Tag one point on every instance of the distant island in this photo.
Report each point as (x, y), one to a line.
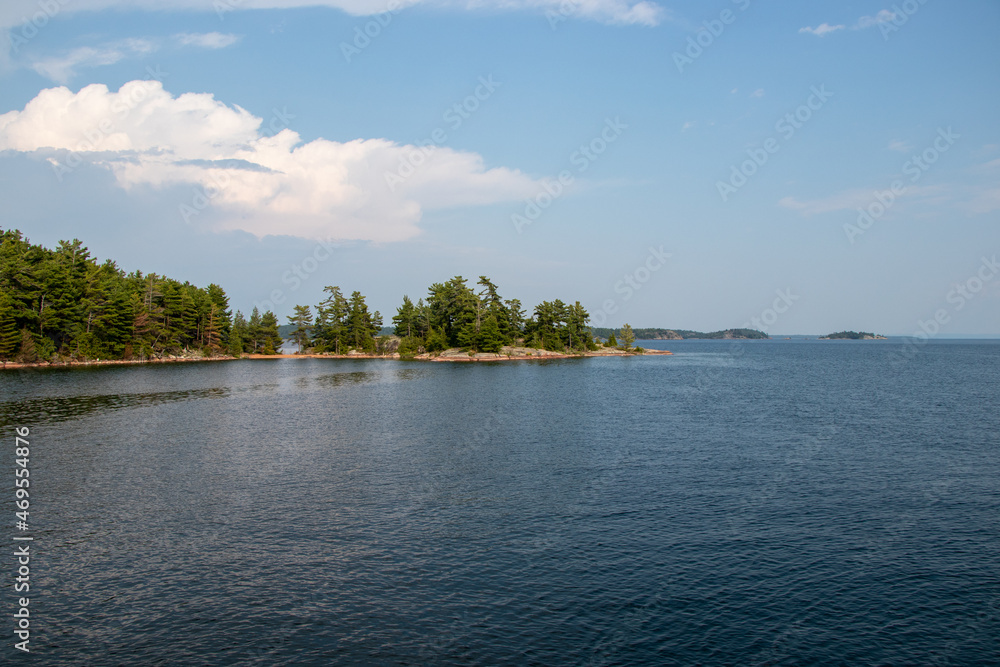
(853, 335)
(686, 334)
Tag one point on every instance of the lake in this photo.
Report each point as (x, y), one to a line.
(758, 502)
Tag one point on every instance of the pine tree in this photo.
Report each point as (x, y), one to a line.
(627, 337)
(28, 350)
(302, 319)
(271, 338)
(10, 337)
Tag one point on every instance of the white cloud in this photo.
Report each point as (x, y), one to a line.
(928, 197)
(848, 200)
(208, 40)
(884, 16)
(757, 93)
(821, 29)
(900, 146)
(63, 67)
(257, 183)
(623, 12)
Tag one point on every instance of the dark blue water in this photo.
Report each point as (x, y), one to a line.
(762, 503)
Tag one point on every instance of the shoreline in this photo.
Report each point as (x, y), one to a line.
(450, 355)
(16, 365)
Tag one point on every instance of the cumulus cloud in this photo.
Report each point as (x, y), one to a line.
(624, 12)
(821, 29)
(242, 178)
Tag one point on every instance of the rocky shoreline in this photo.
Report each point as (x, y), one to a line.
(452, 355)
(72, 363)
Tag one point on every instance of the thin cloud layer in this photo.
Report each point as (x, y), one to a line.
(63, 67)
(241, 178)
(623, 12)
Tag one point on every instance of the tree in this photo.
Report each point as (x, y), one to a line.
(255, 331)
(611, 340)
(405, 319)
(362, 326)
(271, 339)
(627, 337)
(10, 337)
(330, 330)
(491, 339)
(28, 351)
(302, 319)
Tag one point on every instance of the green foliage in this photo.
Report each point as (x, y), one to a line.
(851, 335)
(73, 306)
(628, 337)
(302, 320)
(436, 340)
(611, 340)
(269, 335)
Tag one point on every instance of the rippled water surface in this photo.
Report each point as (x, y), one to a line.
(762, 503)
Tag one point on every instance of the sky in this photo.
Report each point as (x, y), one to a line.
(797, 167)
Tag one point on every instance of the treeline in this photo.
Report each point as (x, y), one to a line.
(64, 303)
(851, 335)
(453, 314)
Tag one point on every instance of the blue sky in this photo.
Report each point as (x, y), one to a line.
(715, 157)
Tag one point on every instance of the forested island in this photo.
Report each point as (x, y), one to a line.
(853, 335)
(62, 306)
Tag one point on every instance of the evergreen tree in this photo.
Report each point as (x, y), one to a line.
(627, 337)
(255, 333)
(491, 339)
(405, 319)
(611, 340)
(302, 319)
(330, 330)
(10, 337)
(271, 340)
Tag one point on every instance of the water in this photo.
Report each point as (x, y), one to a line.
(761, 503)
